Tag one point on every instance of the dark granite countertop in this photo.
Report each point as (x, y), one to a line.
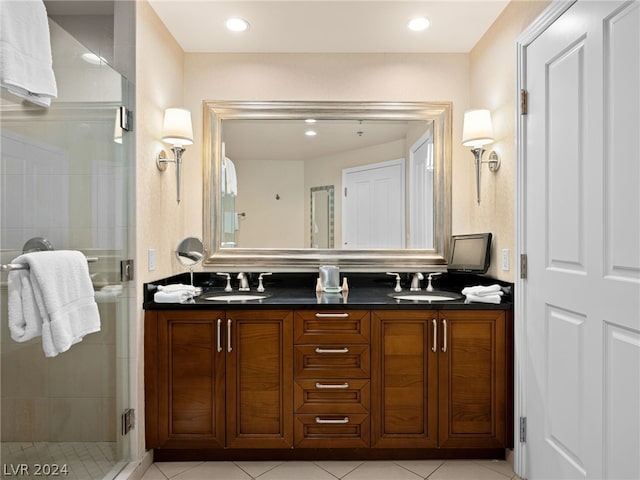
(366, 291)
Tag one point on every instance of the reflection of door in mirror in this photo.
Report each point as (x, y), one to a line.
(322, 229)
(373, 205)
(421, 206)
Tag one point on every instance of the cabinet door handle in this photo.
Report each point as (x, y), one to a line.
(332, 315)
(332, 350)
(332, 420)
(444, 336)
(219, 346)
(229, 349)
(331, 385)
(434, 347)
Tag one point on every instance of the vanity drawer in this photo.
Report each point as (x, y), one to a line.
(349, 326)
(332, 431)
(335, 396)
(331, 361)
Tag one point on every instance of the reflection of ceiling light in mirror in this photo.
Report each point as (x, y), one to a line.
(310, 120)
(237, 24)
(93, 59)
(418, 24)
(310, 133)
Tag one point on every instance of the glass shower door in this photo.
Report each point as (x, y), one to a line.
(63, 181)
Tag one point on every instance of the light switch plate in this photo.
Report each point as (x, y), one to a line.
(151, 259)
(505, 259)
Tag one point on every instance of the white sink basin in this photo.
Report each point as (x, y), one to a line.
(236, 298)
(428, 297)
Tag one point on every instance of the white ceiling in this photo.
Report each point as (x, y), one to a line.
(328, 26)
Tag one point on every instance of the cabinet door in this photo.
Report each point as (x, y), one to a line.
(404, 379)
(472, 376)
(190, 380)
(259, 379)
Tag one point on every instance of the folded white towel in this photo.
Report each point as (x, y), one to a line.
(55, 293)
(177, 296)
(483, 298)
(483, 290)
(25, 52)
(177, 287)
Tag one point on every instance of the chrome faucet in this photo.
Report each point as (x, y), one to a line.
(244, 282)
(415, 282)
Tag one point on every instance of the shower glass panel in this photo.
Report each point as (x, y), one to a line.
(63, 177)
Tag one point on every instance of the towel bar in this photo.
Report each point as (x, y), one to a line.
(23, 266)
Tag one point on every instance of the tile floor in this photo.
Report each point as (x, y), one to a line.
(332, 470)
(75, 461)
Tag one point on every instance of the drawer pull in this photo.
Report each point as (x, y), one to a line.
(332, 385)
(325, 420)
(332, 350)
(332, 315)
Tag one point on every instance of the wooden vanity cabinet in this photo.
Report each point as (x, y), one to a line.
(442, 379)
(216, 379)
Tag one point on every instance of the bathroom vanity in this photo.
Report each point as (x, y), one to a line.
(296, 375)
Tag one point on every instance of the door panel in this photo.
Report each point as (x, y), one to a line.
(582, 232)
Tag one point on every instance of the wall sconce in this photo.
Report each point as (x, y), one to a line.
(176, 131)
(477, 131)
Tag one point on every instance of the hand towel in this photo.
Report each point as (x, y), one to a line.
(58, 295)
(482, 290)
(177, 287)
(25, 52)
(177, 296)
(230, 183)
(483, 298)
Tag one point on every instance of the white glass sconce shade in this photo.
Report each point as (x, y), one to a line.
(177, 128)
(477, 129)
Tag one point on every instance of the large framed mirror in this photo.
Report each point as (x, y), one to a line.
(389, 165)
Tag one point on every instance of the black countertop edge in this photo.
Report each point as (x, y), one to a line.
(366, 291)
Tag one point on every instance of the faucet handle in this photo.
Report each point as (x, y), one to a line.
(429, 278)
(260, 286)
(228, 287)
(398, 287)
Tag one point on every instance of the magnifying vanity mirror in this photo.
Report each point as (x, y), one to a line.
(190, 252)
(294, 185)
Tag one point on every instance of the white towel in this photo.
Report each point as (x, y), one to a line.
(483, 298)
(482, 291)
(230, 183)
(176, 296)
(53, 298)
(25, 52)
(177, 287)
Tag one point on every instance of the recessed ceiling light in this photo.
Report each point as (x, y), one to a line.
(310, 120)
(418, 24)
(93, 59)
(237, 24)
(310, 133)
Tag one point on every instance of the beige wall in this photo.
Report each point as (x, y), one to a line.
(493, 86)
(160, 221)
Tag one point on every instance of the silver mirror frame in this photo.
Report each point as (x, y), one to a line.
(307, 259)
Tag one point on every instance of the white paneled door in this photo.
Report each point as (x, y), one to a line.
(373, 205)
(582, 238)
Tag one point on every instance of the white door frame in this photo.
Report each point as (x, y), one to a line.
(550, 15)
